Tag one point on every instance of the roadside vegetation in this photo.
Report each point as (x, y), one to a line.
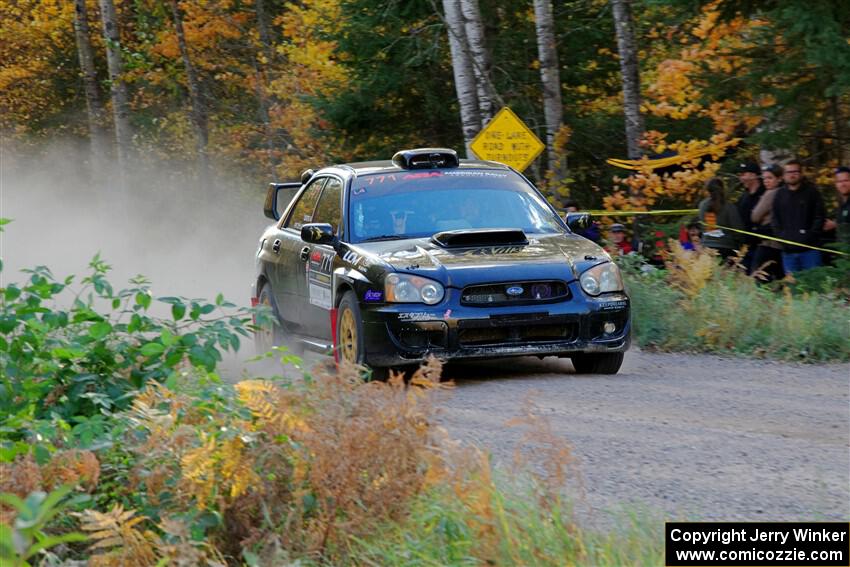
(120, 444)
(694, 304)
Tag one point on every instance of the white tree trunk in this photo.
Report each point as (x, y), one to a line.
(467, 93)
(94, 104)
(118, 88)
(630, 70)
(474, 28)
(550, 76)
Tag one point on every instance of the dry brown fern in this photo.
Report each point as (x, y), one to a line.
(118, 541)
(73, 467)
(19, 477)
(690, 270)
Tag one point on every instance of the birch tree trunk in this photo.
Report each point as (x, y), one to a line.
(199, 113)
(464, 75)
(118, 88)
(627, 48)
(480, 58)
(94, 104)
(550, 75)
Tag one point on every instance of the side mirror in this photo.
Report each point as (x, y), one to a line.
(278, 196)
(318, 233)
(577, 221)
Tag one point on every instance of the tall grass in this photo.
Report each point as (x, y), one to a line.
(442, 530)
(727, 312)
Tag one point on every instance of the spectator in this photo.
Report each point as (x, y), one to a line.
(716, 212)
(749, 176)
(592, 231)
(841, 221)
(798, 216)
(767, 262)
(617, 236)
(692, 239)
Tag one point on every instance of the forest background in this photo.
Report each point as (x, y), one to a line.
(265, 88)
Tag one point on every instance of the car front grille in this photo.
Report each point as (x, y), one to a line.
(530, 328)
(515, 293)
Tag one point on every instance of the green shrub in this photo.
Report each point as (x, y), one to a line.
(730, 313)
(71, 356)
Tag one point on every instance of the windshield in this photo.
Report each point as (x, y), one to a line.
(421, 203)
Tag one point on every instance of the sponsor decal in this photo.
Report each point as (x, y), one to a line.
(423, 175)
(613, 305)
(475, 173)
(493, 251)
(514, 290)
(319, 279)
(351, 257)
(414, 316)
(373, 295)
(447, 314)
(320, 296)
(378, 179)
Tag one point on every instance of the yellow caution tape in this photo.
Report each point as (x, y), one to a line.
(782, 240)
(692, 211)
(638, 164)
(639, 213)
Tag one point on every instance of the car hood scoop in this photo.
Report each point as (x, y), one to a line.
(480, 237)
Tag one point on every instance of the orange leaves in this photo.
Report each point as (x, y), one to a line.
(711, 45)
(647, 187)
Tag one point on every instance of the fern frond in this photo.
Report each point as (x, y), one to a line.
(117, 538)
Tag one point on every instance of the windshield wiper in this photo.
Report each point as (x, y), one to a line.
(385, 237)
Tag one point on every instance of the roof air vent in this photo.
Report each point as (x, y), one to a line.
(426, 158)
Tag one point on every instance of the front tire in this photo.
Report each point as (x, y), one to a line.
(349, 335)
(595, 363)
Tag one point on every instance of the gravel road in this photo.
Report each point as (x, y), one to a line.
(686, 436)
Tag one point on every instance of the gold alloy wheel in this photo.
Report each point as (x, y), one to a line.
(348, 336)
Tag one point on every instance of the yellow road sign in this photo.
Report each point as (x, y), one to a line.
(508, 140)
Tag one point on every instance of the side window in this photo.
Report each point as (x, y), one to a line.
(329, 209)
(303, 211)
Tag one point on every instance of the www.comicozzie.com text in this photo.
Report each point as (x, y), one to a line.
(743, 534)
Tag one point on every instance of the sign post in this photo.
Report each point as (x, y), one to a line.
(508, 140)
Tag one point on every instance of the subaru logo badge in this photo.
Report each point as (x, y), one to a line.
(514, 290)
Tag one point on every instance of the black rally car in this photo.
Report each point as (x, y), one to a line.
(386, 262)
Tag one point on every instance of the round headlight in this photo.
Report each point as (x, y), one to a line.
(408, 288)
(405, 291)
(431, 293)
(602, 278)
(590, 284)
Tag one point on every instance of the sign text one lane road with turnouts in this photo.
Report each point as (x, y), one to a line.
(508, 140)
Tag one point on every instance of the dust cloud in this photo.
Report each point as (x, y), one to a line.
(188, 240)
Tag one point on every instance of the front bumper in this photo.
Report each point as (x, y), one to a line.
(398, 334)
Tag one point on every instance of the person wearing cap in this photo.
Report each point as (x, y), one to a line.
(767, 263)
(749, 175)
(798, 216)
(617, 236)
(840, 223)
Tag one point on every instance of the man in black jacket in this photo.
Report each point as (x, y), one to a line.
(749, 174)
(798, 216)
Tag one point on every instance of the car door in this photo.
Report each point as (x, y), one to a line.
(318, 267)
(286, 275)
